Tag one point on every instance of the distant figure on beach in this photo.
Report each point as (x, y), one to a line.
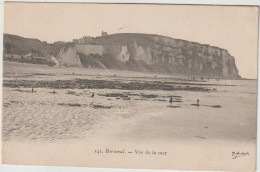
(201, 78)
(54, 92)
(93, 94)
(32, 90)
(170, 100)
(198, 102)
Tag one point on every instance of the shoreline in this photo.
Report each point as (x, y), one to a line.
(151, 74)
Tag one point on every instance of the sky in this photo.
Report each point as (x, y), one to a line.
(234, 28)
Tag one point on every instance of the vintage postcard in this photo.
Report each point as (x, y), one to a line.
(140, 86)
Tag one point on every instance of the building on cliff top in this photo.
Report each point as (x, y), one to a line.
(87, 39)
(84, 40)
(104, 34)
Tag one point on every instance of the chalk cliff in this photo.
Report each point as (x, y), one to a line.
(143, 52)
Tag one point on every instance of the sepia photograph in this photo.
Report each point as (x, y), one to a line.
(130, 86)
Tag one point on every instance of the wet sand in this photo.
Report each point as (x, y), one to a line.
(128, 110)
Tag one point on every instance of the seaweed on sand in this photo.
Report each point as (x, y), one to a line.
(100, 106)
(149, 96)
(216, 106)
(114, 95)
(72, 93)
(99, 84)
(69, 104)
(173, 106)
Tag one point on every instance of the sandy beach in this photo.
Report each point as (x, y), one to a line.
(129, 110)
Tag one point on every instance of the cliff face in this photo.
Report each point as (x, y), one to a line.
(70, 55)
(143, 52)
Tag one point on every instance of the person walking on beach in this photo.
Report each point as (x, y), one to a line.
(93, 95)
(170, 100)
(198, 102)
